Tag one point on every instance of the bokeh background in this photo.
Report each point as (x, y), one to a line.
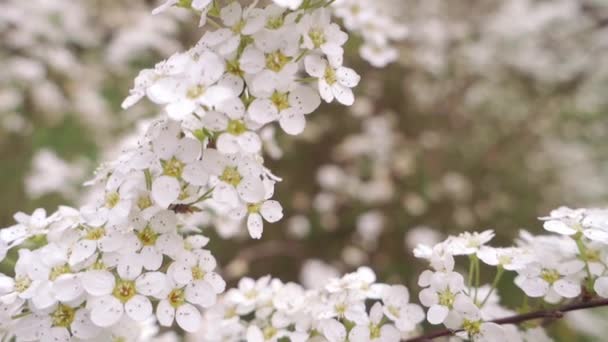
(493, 114)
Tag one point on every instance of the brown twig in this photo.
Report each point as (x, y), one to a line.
(516, 319)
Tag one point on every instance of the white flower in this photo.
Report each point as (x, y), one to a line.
(288, 108)
(375, 330)
(318, 32)
(397, 308)
(469, 243)
(27, 226)
(551, 278)
(190, 83)
(510, 258)
(129, 293)
(195, 269)
(442, 291)
(238, 176)
(175, 307)
(269, 210)
(593, 223)
(335, 81)
(237, 133)
(333, 330)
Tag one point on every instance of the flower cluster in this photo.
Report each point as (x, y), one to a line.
(352, 308)
(132, 255)
(377, 24)
(553, 267)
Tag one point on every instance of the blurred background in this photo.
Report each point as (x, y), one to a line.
(492, 115)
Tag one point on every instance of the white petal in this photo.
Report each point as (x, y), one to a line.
(304, 99)
(82, 327)
(82, 250)
(250, 142)
(107, 311)
(255, 225)
(188, 150)
(437, 314)
(188, 317)
(558, 227)
(252, 61)
(67, 287)
(231, 14)
(152, 258)
(97, 282)
(254, 334)
(165, 190)
(272, 211)
(130, 266)
(165, 313)
(251, 189)
(227, 143)
(315, 65)
(596, 235)
(347, 77)
(263, 111)
(195, 173)
(164, 221)
(292, 122)
(601, 286)
(138, 308)
(151, 283)
(567, 288)
(343, 94)
(201, 293)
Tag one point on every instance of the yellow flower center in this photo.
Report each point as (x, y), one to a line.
(95, 233)
(231, 176)
(112, 199)
(280, 100)
(275, 61)
(238, 27)
(124, 290)
(329, 75)
(195, 91)
(374, 331)
(275, 22)
(236, 127)
(550, 276)
(234, 68)
(176, 298)
(317, 37)
(147, 236)
(446, 298)
(253, 208)
(22, 283)
(63, 316)
(269, 332)
(98, 265)
(59, 270)
(471, 327)
(504, 259)
(173, 167)
(197, 273)
(144, 202)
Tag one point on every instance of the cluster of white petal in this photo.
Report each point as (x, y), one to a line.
(352, 308)
(554, 267)
(377, 24)
(130, 257)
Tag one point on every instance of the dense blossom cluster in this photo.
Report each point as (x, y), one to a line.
(134, 258)
(268, 310)
(555, 268)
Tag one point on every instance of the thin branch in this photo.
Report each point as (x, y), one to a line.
(550, 313)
